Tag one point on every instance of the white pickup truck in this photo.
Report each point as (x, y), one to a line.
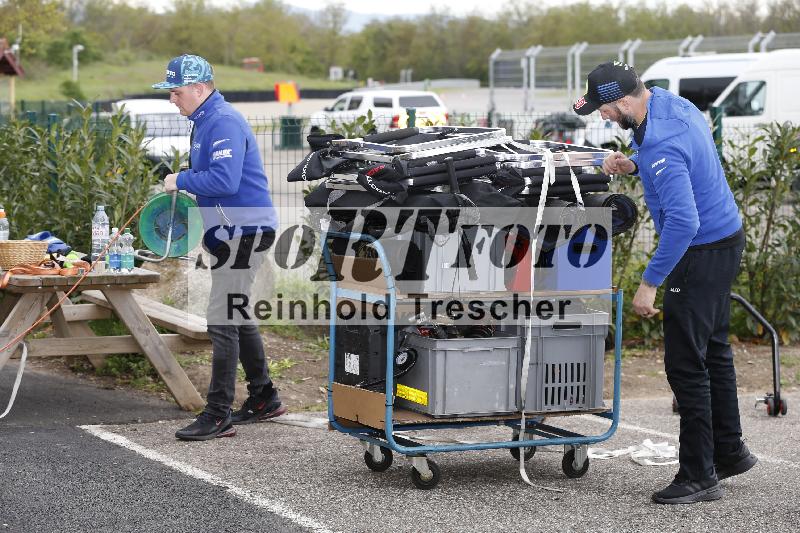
(388, 109)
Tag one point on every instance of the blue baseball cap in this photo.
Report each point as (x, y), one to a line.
(185, 70)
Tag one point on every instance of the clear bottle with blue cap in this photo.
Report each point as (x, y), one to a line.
(114, 255)
(99, 234)
(126, 251)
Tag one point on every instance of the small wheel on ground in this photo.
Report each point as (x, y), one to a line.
(569, 468)
(431, 481)
(530, 451)
(771, 410)
(784, 407)
(381, 466)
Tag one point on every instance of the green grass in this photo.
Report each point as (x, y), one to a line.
(321, 343)
(277, 367)
(105, 80)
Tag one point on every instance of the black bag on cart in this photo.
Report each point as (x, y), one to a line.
(320, 141)
(318, 165)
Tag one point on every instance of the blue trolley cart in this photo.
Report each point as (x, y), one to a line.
(375, 421)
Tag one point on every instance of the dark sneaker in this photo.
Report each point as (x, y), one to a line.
(206, 427)
(686, 491)
(257, 409)
(735, 464)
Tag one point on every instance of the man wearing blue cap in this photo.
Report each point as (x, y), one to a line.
(227, 176)
(699, 250)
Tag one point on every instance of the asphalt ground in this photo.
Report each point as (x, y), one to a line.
(56, 477)
(77, 458)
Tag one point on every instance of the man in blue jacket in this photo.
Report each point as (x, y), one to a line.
(700, 246)
(227, 176)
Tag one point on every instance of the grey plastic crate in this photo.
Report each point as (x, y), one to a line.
(566, 364)
(461, 376)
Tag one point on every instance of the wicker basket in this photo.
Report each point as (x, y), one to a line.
(14, 253)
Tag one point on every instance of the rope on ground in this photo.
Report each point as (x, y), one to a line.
(648, 453)
(18, 380)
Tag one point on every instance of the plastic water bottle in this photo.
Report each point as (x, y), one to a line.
(99, 232)
(126, 251)
(4, 226)
(114, 256)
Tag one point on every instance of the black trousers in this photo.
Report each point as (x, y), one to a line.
(698, 358)
(235, 337)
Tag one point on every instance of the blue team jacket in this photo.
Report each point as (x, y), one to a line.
(227, 174)
(684, 185)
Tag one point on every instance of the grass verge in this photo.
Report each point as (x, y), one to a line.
(108, 80)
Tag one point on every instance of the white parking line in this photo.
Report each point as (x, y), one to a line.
(648, 431)
(272, 506)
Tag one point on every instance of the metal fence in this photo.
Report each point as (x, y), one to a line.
(282, 144)
(567, 66)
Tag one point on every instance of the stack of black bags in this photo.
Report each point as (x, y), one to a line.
(462, 178)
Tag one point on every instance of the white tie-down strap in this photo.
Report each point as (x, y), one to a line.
(547, 180)
(648, 453)
(299, 420)
(17, 381)
(576, 188)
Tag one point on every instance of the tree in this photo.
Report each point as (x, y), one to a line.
(38, 21)
(59, 51)
(119, 26)
(331, 23)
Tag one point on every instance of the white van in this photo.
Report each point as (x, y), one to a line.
(165, 128)
(699, 79)
(766, 92)
(388, 109)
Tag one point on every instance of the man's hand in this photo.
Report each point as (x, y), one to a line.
(171, 182)
(643, 301)
(617, 163)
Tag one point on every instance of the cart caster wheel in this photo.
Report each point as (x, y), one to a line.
(771, 411)
(569, 468)
(528, 455)
(381, 466)
(674, 405)
(433, 479)
(784, 408)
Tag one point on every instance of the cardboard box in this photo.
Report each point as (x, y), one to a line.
(359, 405)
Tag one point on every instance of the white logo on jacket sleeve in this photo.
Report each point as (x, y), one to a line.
(659, 171)
(222, 154)
(662, 160)
(215, 143)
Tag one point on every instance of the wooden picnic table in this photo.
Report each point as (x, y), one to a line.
(26, 298)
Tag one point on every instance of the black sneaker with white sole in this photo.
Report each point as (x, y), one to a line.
(688, 491)
(736, 463)
(207, 426)
(258, 409)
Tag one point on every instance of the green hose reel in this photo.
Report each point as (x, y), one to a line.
(156, 218)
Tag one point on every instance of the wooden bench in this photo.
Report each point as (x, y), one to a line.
(187, 324)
